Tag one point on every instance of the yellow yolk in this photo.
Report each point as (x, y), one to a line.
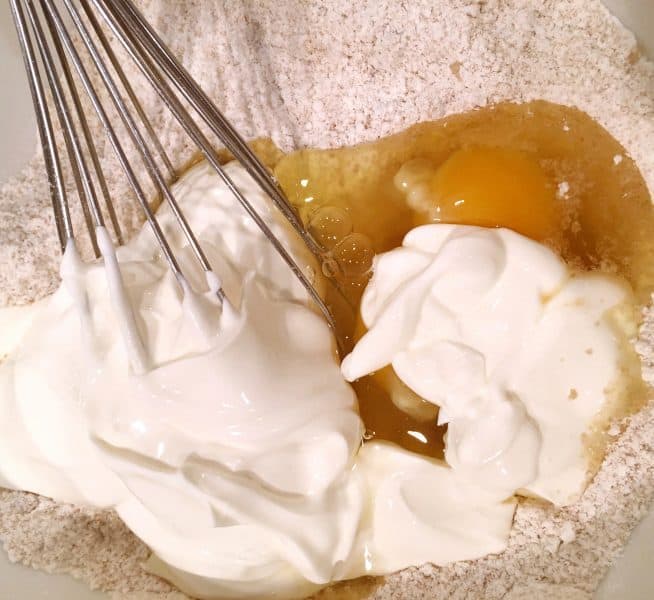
(491, 187)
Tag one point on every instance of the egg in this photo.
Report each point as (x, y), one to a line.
(490, 187)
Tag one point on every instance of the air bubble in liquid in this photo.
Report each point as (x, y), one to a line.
(329, 225)
(330, 268)
(354, 255)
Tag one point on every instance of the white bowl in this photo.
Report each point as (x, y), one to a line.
(632, 577)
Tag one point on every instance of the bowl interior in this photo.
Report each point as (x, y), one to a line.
(631, 579)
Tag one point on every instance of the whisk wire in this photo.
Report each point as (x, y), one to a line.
(212, 117)
(85, 189)
(168, 78)
(62, 31)
(135, 134)
(63, 221)
(123, 32)
(154, 139)
(86, 132)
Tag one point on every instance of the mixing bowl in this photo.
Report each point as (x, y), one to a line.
(632, 577)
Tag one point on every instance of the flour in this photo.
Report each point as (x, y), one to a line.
(308, 73)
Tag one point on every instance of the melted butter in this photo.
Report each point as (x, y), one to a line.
(548, 171)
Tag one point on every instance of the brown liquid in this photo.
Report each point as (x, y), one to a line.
(605, 221)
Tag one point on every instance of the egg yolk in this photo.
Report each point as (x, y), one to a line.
(490, 187)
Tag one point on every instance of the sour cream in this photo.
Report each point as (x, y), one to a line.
(224, 436)
(516, 351)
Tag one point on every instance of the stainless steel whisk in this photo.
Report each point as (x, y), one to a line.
(57, 51)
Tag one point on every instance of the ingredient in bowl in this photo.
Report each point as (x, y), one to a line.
(516, 351)
(196, 453)
(549, 161)
(235, 456)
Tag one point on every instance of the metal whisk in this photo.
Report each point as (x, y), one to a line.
(56, 40)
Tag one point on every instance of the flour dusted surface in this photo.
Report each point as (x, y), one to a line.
(309, 73)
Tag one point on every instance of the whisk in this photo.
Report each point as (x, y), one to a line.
(56, 34)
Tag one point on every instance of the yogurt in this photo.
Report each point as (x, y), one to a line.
(223, 435)
(516, 351)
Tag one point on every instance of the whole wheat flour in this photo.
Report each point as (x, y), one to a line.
(310, 73)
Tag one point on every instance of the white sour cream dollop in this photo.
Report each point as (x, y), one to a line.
(234, 457)
(516, 351)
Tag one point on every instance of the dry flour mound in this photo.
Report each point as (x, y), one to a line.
(309, 73)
